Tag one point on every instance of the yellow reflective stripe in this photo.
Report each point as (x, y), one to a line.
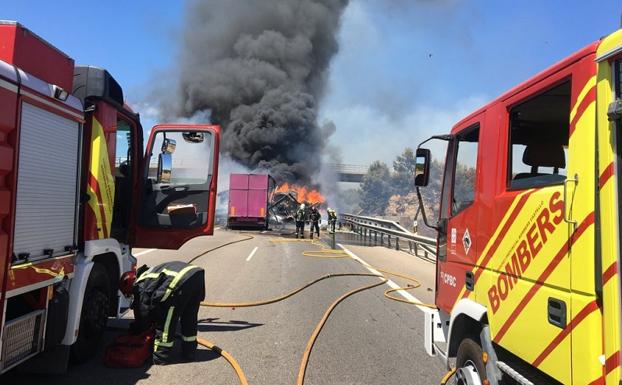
(179, 276)
(161, 343)
(156, 275)
(145, 276)
(189, 339)
(167, 323)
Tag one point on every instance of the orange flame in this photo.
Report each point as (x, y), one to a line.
(303, 194)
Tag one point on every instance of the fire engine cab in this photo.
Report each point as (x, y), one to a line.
(528, 272)
(77, 192)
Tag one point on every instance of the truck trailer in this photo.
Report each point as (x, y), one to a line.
(77, 193)
(528, 270)
(249, 200)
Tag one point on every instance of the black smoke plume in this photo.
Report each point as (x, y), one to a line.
(260, 67)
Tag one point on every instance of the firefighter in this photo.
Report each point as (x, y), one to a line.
(300, 217)
(332, 220)
(162, 295)
(315, 221)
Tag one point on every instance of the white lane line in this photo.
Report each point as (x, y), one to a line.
(391, 284)
(251, 254)
(217, 228)
(144, 252)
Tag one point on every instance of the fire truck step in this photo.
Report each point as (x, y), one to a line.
(23, 339)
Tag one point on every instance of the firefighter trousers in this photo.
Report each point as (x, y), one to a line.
(315, 226)
(300, 229)
(183, 306)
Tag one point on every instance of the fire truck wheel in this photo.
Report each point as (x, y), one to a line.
(470, 366)
(94, 315)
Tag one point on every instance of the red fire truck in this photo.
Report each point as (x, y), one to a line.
(528, 274)
(77, 192)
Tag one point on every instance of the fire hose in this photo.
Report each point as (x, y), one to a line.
(324, 252)
(232, 361)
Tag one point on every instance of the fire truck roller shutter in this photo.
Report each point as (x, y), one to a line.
(47, 183)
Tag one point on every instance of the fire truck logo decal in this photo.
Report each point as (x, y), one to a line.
(466, 241)
(585, 224)
(535, 235)
(453, 235)
(503, 228)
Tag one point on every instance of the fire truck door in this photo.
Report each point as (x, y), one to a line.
(178, 186)
(457, 252)
(608, 209)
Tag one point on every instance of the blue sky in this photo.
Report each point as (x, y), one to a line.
(134, 40)
(406, 68)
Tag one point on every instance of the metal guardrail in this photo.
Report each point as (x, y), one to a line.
(386, 232)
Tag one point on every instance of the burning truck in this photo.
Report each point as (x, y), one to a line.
(256, 203)
(249, 200)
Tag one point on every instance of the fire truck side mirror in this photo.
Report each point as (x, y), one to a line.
(422, 167)
(169, 146)
(165, 160)
(165, 167)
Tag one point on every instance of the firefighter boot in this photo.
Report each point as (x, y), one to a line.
(162, 349)
(162, 355)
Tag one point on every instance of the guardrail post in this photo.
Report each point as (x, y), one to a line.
(375, 237)
(397, 243)
(381, 239)
(389, 240)
(416, 248)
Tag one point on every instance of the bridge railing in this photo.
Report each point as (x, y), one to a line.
(348, 168)
(389, 233)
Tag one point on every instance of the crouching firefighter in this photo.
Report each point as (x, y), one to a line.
(162, 295)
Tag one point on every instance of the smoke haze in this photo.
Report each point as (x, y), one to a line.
(260, 69)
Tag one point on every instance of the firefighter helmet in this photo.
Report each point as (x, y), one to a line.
(126, 283)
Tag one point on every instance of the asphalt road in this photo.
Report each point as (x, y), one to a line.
(367, 340)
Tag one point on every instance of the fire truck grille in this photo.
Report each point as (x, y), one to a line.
(22, 338)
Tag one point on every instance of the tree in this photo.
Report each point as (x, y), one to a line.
(407, 203)
(350, 201)
(404, 172)
(376, 189)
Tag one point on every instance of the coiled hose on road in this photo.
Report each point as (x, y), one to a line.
(324, 252)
